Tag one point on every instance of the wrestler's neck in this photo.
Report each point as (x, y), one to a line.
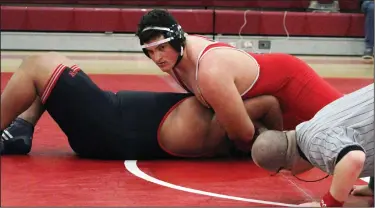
(295, 162)
(186, 64)
(291, 135)
(192, 49)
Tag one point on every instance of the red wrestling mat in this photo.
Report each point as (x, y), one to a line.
(52, 176)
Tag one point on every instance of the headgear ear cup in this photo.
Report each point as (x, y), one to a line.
(178, 39)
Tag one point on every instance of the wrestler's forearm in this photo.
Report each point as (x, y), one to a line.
(268, 113)
(346, 173)
(216, 130)
(34, 112)
(273, 119)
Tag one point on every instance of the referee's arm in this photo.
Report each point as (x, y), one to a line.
(346, 173)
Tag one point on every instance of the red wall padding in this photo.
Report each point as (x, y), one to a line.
(265, 4)
(297, 23)
(60, 19)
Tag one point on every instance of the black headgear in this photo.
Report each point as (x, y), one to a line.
(175, 35)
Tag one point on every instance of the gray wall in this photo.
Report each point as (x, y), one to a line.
(129, 43)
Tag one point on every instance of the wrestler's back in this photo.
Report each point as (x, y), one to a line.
(300, 90)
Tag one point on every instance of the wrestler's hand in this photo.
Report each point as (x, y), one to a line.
(363, 190)
(310, 204)
(244, 146)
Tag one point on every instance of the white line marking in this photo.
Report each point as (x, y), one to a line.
(366, 179)
(299, 188)
(131, 166)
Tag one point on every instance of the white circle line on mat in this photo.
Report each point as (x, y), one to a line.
(131, 166)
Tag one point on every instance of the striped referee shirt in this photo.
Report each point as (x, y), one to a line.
(343, 125)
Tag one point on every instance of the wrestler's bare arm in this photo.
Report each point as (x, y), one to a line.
(219, 90)
(265, 110)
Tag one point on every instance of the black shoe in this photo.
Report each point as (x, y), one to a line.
(17, 138)
(368, 54)
(1, 144)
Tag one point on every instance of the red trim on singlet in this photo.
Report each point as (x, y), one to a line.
(159, 129)
(52, 82)
(55, 77)
(215, 44)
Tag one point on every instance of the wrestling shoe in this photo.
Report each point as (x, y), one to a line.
(368, 55)
(1, 144)
(17, 138)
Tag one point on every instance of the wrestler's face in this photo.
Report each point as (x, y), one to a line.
(163, 55)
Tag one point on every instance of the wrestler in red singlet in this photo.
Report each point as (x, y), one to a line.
(299, 89)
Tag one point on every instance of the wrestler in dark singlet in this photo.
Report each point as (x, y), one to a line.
(104, 124)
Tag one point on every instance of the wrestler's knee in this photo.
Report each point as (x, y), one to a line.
(40, 67)
(37, 64)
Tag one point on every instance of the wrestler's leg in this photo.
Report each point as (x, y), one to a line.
(18, 136)
(22, 94)
(84, 112)
(19, 93)
(307, 92)
(34, 112)
(318, 93)
(27, 83)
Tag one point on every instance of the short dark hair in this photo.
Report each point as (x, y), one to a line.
(155, 18)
